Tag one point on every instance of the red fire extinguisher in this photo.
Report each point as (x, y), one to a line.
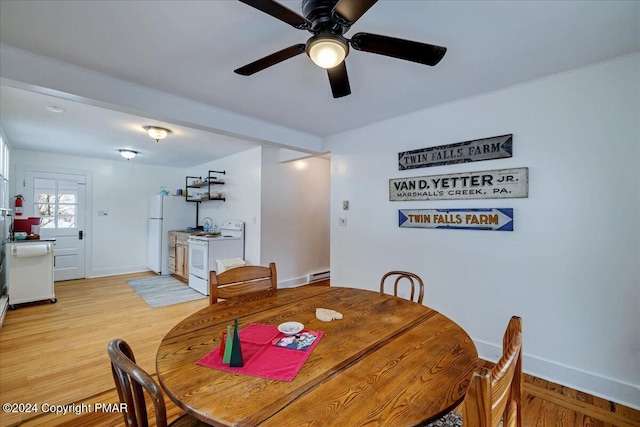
(18, 205)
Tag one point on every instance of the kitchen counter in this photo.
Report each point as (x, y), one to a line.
(48, 239)
(192, 232)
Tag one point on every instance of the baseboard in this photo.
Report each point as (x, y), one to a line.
(103, 272)
(292, 283)
(596, 385)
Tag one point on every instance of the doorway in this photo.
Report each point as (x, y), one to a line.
(58, 197)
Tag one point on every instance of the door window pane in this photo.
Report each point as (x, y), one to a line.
(56, 202)
(66, 216)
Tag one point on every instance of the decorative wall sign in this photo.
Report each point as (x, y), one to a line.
(492, 184)
(493, 219)
(497, 147)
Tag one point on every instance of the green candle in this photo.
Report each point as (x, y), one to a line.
(236, 352)
(227, 349)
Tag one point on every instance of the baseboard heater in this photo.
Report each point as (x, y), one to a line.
(316, 277)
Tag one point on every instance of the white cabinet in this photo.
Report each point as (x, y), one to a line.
(29, 271)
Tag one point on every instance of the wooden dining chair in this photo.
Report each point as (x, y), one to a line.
(247, 282)
(494, 395)
(131, 382)
(413, 279)
(511, 419)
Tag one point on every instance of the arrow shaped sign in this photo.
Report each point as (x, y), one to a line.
(496, 147)
(493, 219)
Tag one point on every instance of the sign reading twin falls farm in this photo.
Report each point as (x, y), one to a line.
(497, 147)
(492, 219)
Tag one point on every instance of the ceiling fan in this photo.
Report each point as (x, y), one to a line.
(328, 21)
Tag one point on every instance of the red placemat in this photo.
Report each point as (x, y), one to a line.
(261, 357)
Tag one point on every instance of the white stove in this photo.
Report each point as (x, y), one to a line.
(204, 250)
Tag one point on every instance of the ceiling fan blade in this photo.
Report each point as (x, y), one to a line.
(339, 80)
(352, 10)
(280, 12)
(270, 60)
(408, 50)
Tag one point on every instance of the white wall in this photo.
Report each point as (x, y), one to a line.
(571, 266)
(242, 191)
(295, 216)
(118, 241)
(285, 209)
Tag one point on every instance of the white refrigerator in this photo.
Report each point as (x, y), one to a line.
(166, 213)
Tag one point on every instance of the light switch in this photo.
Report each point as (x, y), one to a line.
(103, 213)
(345, 205)
(342, 220)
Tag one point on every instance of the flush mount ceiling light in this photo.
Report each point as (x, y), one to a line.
(156, 132)
(55, 109)
(327, 50)
(128, 154)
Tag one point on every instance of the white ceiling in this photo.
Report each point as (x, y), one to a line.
(189, 49)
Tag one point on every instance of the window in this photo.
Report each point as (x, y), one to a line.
(56, 202)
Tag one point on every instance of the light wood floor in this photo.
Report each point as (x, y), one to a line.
(56, 354)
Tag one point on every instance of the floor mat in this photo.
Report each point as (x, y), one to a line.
(163, 290)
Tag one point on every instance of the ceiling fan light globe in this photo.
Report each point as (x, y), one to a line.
(327, 53)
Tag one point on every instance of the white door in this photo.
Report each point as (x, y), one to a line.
(59, 200)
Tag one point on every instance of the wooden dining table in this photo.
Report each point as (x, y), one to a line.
(388, 362)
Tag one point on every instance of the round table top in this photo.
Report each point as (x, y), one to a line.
(388, 362)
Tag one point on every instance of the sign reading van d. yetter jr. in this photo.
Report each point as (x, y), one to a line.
(492, 184)
(497, 147)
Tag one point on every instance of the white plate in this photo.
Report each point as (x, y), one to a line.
(290, 328)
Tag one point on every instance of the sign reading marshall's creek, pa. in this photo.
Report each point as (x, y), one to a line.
(492, 184)
(492, 219)
(497, 147)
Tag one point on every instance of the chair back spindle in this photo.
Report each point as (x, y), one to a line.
(404, 277)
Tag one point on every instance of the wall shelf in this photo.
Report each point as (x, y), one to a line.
(197, 183)
(194, 183)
